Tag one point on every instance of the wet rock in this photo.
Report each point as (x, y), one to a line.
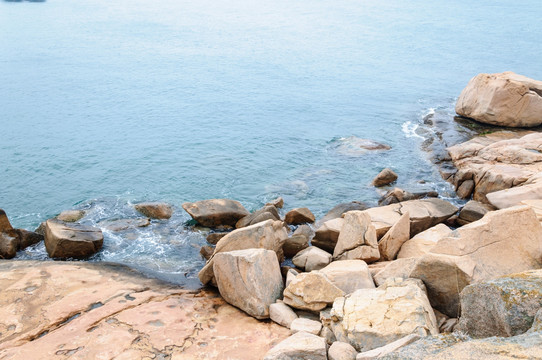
(306, 325)
(502, 307)
(349, 275)
(354, 146)
(312, 258)
(338, 210)
(213, 238)
(311, 291)
(71, 215)
(282, 314)
(422, 243)
(124, 224)
(216, 212)
(155, 210)
(268, 235)
(370, 318)
(503, 99)
(268, 212)
(71, 241)
(298, 241)
(393, 240)
(278, 202)
(5, 225)
(385, 177)
(397, 195)
(473, 211)
(249, 279)
(327, 235)
(206, 251)
(464, 190)
(9, 243)
(301, 345)
(341, 351)
(389, 348)
(357, 239)
(299, 216)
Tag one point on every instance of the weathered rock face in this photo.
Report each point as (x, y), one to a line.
(327, 235)
(299, 216)
(341, 351)
(503, 99)
(306, 325)
(101, 311)
(386, 349)
(216, 212)
(502, 307)
(357, 239)
(528, 191)
(502, 242)
(213, 238)
(472, 211)
(311, 258)
(71, 215)
(71, 241)
(14, 240)
(422, 243)
(385, 177)
(124, 224)
(155, 210)
(268, 212)
(278, 202)
(301, 345)
(397, 195)
(424, 214)
(496, 162)
(349, 275)
(370, 318)
(340, 209)
(282, 314)
(400, 268)
(393, 240)
(249, 279)
(5, 225)
(268, 235)
(311, 291)
(206, 251)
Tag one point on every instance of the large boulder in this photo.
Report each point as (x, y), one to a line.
(528, 191)
(268, 212)
(76, 241)
(327, 235)
(370, 318)
(311, 258)
(502, 242)
(216, 212)
(249, 279)
(311, 291)
(300, 345)
(155, 210)
(338, 210)
(505, 306)
(299, 216)
(422, 243)
(349, 275)
(357, 239)
(268, 235)
(400, 268)
(503, 99)
(393, 240)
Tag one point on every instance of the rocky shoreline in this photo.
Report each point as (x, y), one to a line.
(416, 277)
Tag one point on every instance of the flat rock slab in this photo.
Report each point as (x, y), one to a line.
(52, 310)
(216, 212)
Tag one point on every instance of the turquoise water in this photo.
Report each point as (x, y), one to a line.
(106, 103)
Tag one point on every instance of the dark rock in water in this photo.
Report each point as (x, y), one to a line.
(397, 195)
(124, 224)
(298, 241)
(155, 210)
(71, 241)
(206, 251)
(40, 229)
(4, 222)
(28, 238)
(14, 240)
(299, 216)
(340, 209)
(385, 177)
(465, 189)
(213, 238)
(71, 215)
(268, 212)
(354, 146)
(216, 212)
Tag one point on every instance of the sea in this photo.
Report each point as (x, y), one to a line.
(104, 104)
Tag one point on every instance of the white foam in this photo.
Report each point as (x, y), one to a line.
(409, 129)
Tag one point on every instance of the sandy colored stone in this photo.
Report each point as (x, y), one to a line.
(306, 325)
(206, 251)
(422, 243)
(341, 351)
(311, 258)
(357, 231)
(529, 190)
(385, 177)
(52, 310)
(472, 211)
(216, 212)
(282, 314)
(299, 216)
(327, 235)
(124, 224)
(268, 212)
(464, 190)
(339, 209)
(349, 275)
(213, 238)
(301, 346)
(4, 222)
(71, 215)
(370, 318)
(155, 210)
(278, 202)
(393, 240)
(311, 291)
(502, 99)
(72, 240)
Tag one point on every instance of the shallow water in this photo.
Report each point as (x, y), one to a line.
(103, 104)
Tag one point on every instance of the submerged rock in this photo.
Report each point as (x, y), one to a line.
(71, 215)
(354, 146)
(71, 241)
(216, 212)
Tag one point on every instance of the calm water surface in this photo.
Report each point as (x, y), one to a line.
(106, 103)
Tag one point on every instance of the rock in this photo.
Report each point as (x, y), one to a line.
(290, 275)
(497, 162)
(422, 243)
(376, 267)
(328, 335)
(389, 348)
(304, 230)
(213, 238)
(71, 241)
(448, 326)
(357, 239)
(71, 215)
(464, 190)
(327, 235)
(349, 275)
(5, 225)
(503, 99)
(424, 214)
(311, 258)
(393, 240)
(27, 238)
(354, 146)
(400, 268)
(124, 224)
(268, 212)
(40, 229)
(282, 314)
(306, 325)
(155, 210)
(300, 345)
(311, 291)
(249, 279)
(528, 191)
(473, 211)
(278, 202)
(341, 351)
(9, 244)
(83, 310)
(502, 242)
(299, 216)
(385, 177)
(216, 212)
(268, 235)
(397, 195)
(308, 315)
(338, 210)
(298, 241)
(206, 251)
(371, 318)
(537, 322)
(501, 307)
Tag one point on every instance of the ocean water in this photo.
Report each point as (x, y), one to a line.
(107, 103)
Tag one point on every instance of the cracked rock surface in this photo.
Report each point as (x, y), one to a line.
(100, 311)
